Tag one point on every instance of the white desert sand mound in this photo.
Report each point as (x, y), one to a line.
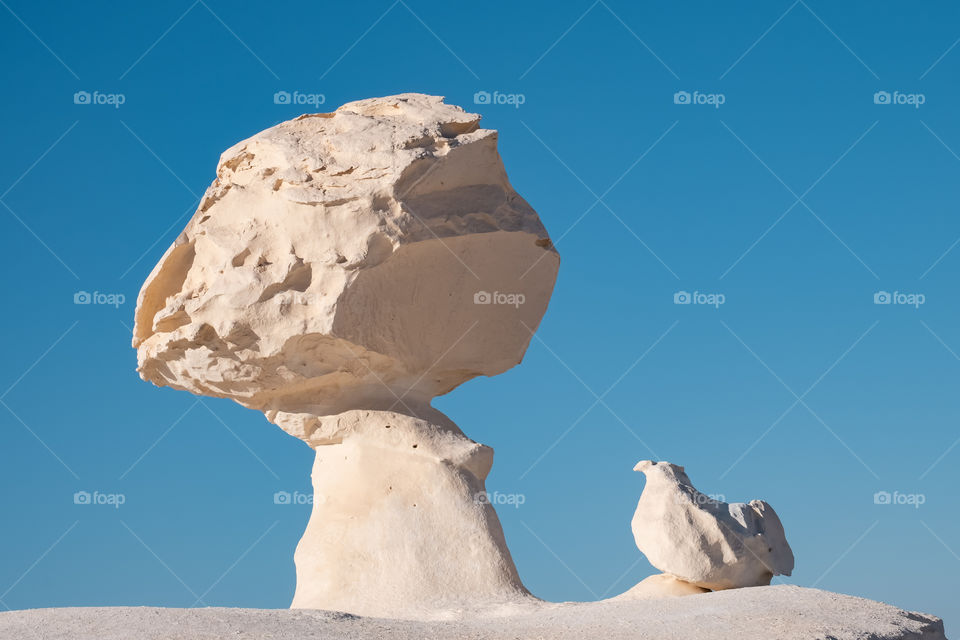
(758, 613)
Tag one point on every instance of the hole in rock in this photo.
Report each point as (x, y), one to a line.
(240, 258)
(298, 279)
(235, 161)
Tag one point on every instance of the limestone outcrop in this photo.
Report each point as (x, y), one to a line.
(399, 523)
(337, 254)
(341, 271)
(705, 542)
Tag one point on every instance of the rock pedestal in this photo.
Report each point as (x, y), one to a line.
(400, 524)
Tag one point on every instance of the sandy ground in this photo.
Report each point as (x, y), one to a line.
(761, 613)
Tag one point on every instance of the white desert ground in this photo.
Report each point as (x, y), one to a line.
(778, 612)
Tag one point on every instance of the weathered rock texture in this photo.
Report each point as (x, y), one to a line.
(706, 542)
(341, 271)
(339, 253)
(399, 524)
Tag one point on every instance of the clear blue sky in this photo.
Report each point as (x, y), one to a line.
(798, 199)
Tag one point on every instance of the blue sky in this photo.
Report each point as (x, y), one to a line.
(795, 159)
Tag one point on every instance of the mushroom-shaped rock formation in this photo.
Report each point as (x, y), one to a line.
(342, 270)
(706, 542)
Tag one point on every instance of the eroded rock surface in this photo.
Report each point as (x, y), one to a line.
(337, 254)
(400, 525)
(707, 542)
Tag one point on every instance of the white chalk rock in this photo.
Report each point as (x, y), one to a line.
(401, 525)
(344, 269)
(706, 542)
(336, 254)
